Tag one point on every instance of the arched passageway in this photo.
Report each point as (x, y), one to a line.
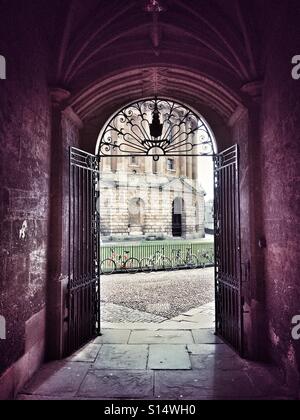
(160, 129)
(228, 61)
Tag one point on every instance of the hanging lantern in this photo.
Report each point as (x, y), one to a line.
(156, 128)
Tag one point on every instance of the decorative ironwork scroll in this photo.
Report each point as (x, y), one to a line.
(156, 127)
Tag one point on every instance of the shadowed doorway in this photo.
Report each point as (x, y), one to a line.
(177, 217)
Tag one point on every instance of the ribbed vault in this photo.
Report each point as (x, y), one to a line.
(182, 84)
(198, 52)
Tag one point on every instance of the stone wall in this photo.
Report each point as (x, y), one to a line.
(157, 194)
(24, 196)
(280, 162)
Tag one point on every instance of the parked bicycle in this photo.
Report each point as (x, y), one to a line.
(158, 261)
(189, 261)
(120, 262)
(206, 258)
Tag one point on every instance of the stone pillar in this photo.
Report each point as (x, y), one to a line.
(106, 164)
(182, 159)
(195, 161)
(189, 159)
(65, 133)
(161, 166)
(114, 159)
(246, 132)
(148, 161)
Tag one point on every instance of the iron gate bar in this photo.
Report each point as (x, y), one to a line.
(84, 243)
(229, 310)
(84, 239)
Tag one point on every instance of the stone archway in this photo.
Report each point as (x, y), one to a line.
(161, 128)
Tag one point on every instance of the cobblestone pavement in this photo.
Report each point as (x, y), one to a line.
(155, 297)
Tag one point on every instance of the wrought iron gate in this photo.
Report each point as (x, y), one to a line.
(84, 243)
(229, 307)
(157, 128)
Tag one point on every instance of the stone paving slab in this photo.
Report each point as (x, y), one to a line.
(87, 354)
(161, 337)
(172, 371)
(168, 325)
(267, 380)
(206, 336)
(201, 317)
(197, 385)
(110, 312)
(118, 384)
(178, 385)
(122, 356)
(201, 321)
(212, 349)
(215, 357)
(196, 313)
(165, 357)
(113, 337)
(61, 379)
(208, 309)
(196, 319)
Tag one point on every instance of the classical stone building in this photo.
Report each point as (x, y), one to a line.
(142, 197)
(209, 216)
(72, 65)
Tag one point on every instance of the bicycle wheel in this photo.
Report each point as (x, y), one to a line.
(192, 262)
(132, 265)
(108, 267)
(146, 265)
(179, 263)
(167, 264)
(203, 260)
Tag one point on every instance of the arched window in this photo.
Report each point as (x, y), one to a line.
(156, 127)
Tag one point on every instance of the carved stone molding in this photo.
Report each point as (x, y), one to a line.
(59, 96)
(253, 89)
(73, 117)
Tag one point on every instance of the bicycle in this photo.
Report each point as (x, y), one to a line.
(156, 262)
(206, 258)
(190, 260)
(179, 261)
(119, 262)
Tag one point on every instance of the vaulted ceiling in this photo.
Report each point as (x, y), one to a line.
(200, 52)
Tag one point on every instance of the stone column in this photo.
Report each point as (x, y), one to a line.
(182, 159)
(189, 159)
(161, 164)
(246, 132)
(65, 133)
(106, 164)
(148, 164)
(195, 161)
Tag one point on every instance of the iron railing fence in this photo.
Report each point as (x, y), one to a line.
(203, 251)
